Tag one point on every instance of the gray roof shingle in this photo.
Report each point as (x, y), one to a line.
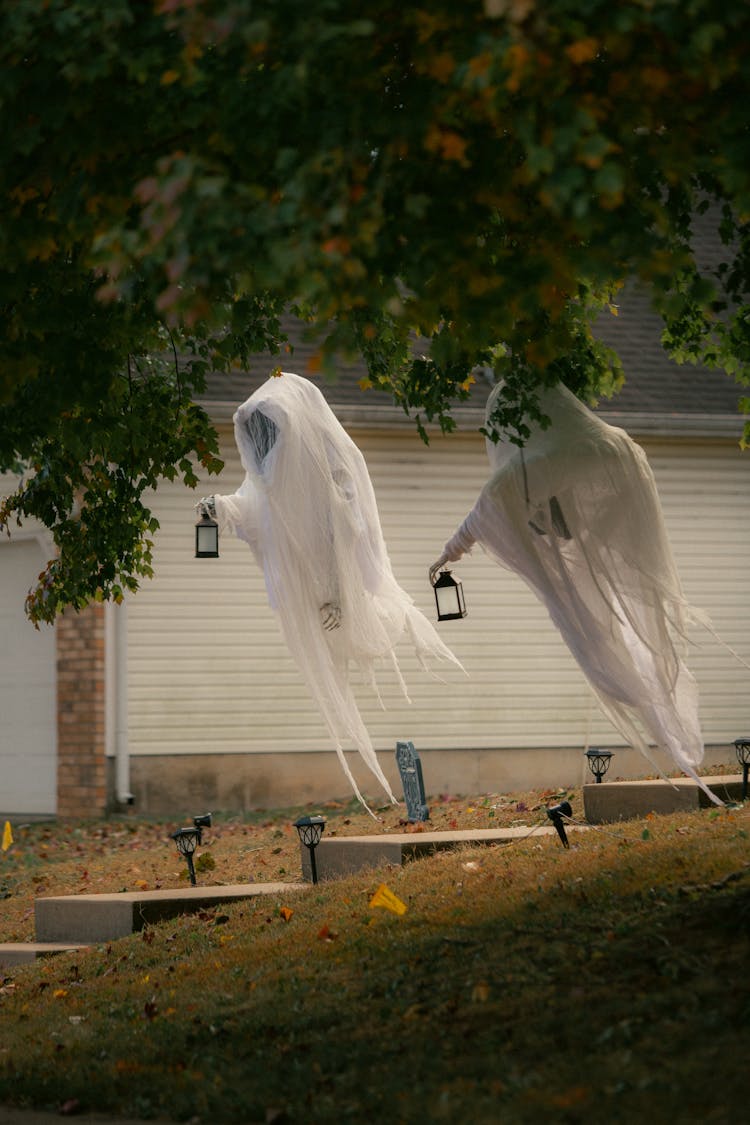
(659, 396)
(654, 383)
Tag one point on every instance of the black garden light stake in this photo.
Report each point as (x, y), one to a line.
(742, 746)
(449, 597)
(556, 814)
(599, 762)
(201, 822)
(310, 829)
(188, 839)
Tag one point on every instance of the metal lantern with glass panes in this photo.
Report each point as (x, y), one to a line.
(206, 532)
(449, 597)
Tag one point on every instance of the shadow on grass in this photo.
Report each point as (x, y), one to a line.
(607, 983)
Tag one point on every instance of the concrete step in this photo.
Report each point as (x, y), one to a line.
(94, 918)
(627, 800)
(21, 952)
(337, 856)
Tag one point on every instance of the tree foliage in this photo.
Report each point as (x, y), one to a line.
(176, 173)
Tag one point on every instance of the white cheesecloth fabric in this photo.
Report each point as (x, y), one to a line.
(307, 509)
(576, 514)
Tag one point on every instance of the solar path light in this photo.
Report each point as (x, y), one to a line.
(599, 762)
(188, 839)
(310, 829)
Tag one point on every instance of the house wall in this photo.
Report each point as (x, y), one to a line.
(218, 714)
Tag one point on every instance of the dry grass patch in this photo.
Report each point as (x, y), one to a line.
(602, 983)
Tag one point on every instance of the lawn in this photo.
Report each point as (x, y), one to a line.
(604, 983)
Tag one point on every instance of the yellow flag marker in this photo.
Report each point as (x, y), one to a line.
(386, 898)
(7, 836)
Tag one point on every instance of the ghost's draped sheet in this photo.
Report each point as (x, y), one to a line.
(576, 514)
(308, 512)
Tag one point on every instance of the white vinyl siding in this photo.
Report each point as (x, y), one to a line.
(208, 670)
(706, 498)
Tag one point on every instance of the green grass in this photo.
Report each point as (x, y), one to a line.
(606, 983)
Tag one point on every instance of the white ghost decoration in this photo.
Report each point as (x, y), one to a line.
(308, 512)
(576, 514)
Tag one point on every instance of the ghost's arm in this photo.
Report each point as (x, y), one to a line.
(365, 532)
(330, 610)
(237, 513)
(344, 500)
(457, 546)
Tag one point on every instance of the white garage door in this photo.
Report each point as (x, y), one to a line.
(28, 739)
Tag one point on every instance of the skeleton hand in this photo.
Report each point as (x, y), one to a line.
(436, 566)
(206, 507)
(330, 615)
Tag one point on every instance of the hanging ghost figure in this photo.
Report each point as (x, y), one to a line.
(307, 510)
(576, 514)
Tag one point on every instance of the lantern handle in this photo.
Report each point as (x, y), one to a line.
(437, 566)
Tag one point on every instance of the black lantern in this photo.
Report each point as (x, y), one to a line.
(310, 829)
(449, 597)
(187, 840)
(599, 762)
(742, 746)
(206, 537)
(556, 814)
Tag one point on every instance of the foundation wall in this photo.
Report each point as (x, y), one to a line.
(186, 785)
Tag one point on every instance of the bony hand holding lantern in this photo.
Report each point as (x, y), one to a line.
(449, 592)
(206, 530)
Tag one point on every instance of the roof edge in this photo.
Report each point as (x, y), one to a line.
(696, 425)
(470, 419)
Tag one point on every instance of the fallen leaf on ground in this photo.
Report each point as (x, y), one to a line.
(386, 898)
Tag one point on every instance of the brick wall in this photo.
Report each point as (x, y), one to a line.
(81, 763)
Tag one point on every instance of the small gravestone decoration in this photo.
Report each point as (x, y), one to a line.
(410, 768)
